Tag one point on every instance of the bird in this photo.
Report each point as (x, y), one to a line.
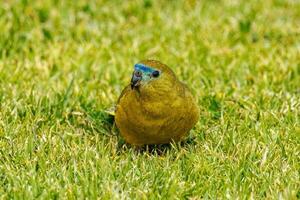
(155, 108)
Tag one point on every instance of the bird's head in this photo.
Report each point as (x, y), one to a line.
(151, 73)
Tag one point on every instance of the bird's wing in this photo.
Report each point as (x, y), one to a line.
(125, 90)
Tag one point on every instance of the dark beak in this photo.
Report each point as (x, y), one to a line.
(136, 79)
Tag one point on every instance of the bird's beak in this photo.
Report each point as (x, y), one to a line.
(136, 79)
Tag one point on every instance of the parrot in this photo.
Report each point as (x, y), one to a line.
(155, 108)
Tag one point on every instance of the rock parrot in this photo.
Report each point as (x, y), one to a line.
(155, 108)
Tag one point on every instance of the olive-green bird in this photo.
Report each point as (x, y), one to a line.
(156, 108)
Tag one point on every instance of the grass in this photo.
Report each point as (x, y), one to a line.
(63, 63)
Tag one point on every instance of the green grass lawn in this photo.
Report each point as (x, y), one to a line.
(62, 64)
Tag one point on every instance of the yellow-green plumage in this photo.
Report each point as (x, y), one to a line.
(156, 112)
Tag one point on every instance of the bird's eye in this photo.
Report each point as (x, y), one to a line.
(155, 73)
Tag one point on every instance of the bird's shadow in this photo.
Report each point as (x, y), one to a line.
(155, 149)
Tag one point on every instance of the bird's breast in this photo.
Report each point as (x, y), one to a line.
(154, 118)
(144, 110)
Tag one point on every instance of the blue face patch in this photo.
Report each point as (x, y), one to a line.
(143, 68)
(148, 73)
